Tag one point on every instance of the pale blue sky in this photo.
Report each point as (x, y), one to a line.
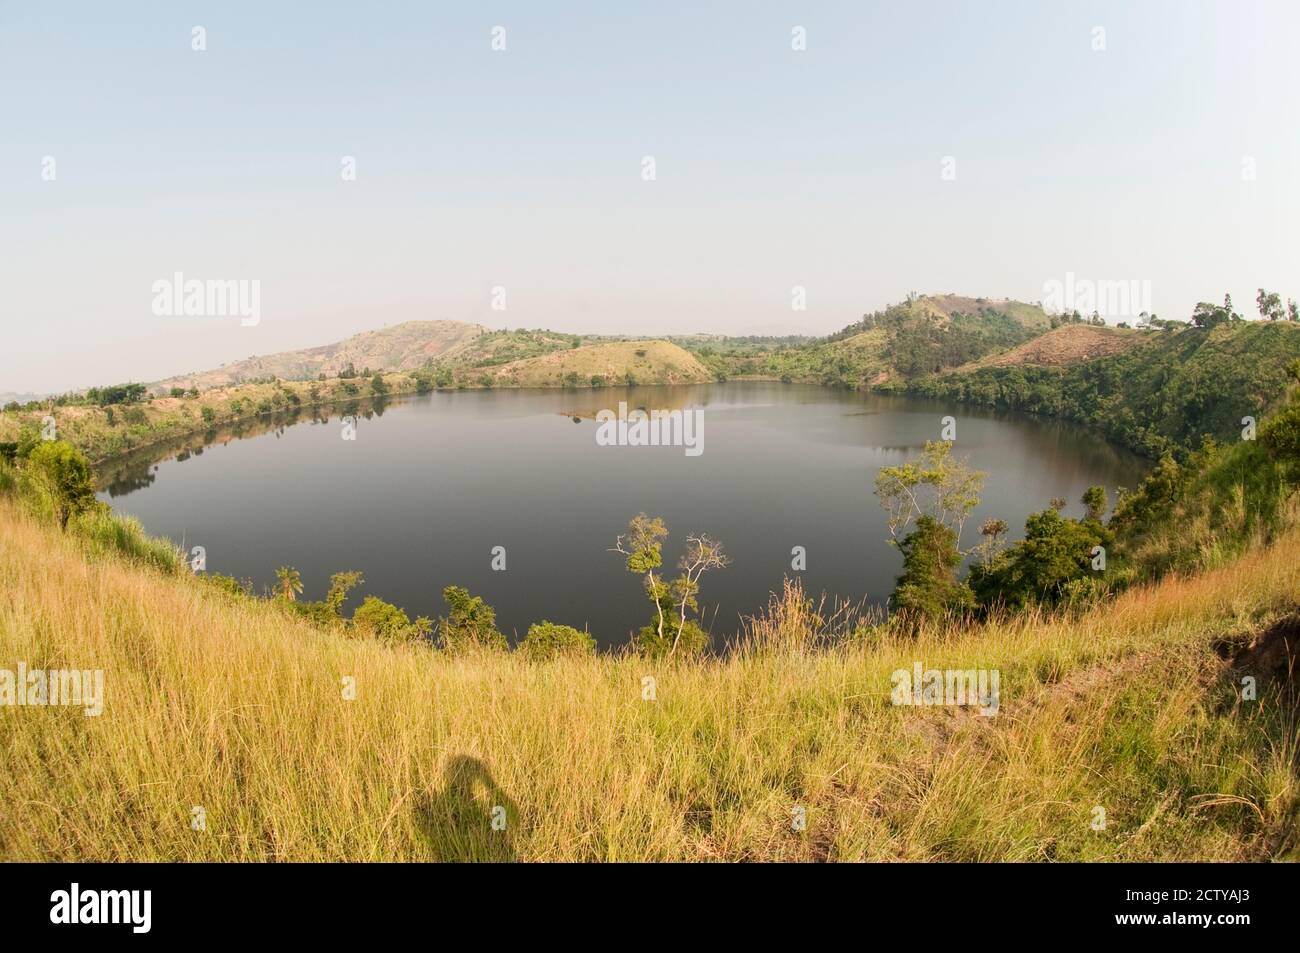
(522, 168)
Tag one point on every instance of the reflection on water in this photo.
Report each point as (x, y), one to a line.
(135, 470)
(433, 483)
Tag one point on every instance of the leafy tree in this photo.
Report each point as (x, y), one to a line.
(1270, 305)
(993, 533)
(116, 394)
(1207, 316)
(1055, 552)
(937, 486)
(470, 622)
(1094, 503)
(64, 471)
(928, 587)
(642, 544)
(547, 640)
(341, 583)
(290, 582)
(377, 384)
(1152, 502)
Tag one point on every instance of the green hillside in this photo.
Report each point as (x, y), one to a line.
(1163, 395)
(919, 336)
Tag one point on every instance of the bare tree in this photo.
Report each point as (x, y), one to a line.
(702, 554)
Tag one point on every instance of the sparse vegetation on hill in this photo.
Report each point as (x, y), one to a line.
(595, 365)
(1066, 346)
(402, 347)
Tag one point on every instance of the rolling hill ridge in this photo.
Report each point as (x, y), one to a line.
(401, 347)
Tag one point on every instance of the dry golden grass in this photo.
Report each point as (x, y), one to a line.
(228, 705)
(1065, 346)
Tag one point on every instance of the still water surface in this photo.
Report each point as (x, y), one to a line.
(433, 483)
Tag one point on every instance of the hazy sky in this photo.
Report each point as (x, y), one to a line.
(522, 168)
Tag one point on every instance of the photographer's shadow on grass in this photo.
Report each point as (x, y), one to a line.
(470, 819)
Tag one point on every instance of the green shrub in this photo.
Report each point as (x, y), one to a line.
(66, 473)
(107, 532)
(229, 584)
(677, 640)
(548, 640)
(386, 621)
(928, 587)
(470, 622)
(1050, 565)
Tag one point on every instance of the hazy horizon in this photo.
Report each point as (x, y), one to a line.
(937, 148)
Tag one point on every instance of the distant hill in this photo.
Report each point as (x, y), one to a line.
(619, 362)
(924, 334)
(1153, 391)
(919, 336)
(946, 307)
(16, 397)
(402, 347)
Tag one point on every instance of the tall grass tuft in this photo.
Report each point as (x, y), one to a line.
(107, 532)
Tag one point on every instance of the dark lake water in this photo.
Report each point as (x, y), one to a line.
(433, 483)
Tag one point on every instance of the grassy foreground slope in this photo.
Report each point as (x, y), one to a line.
(224, 703)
